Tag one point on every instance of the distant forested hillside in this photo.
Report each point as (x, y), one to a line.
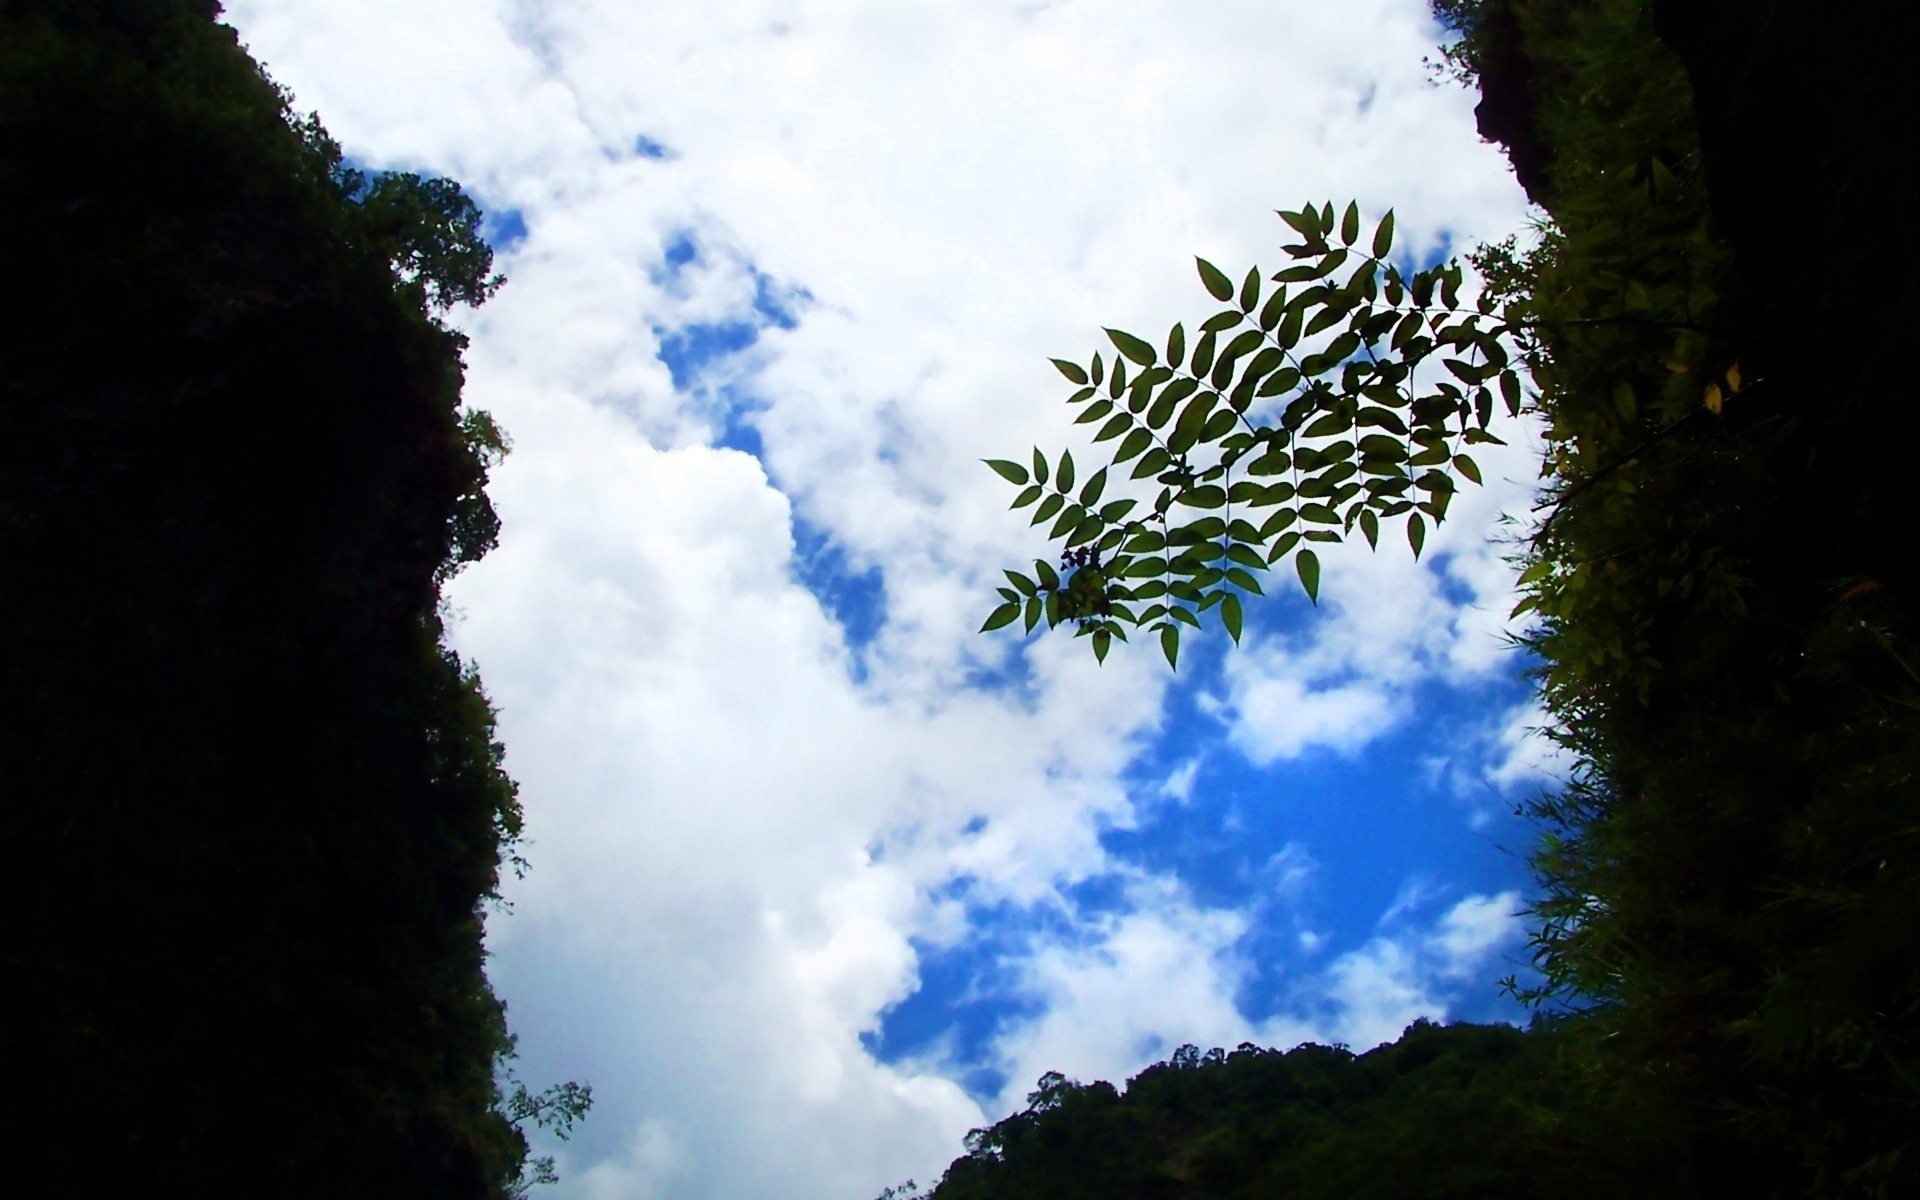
(1461, 1112)
(252, 805)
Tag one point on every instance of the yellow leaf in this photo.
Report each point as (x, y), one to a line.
(1733, 377)
(1678, 367)
(1714, 399)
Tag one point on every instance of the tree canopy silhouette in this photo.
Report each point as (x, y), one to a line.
(253, 806)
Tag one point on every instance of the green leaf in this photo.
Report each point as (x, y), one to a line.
(1001, 617)
(1416, 533)
(1510, 392)
(1025, 586)
(1071, 370)
(1026, 497)
(1273, 310)
(1063, 477)
(1203, 354)
(1467, 467)
(1094, 412)
(1250, 290)
(1146, 568)
(1350, 223)
(1177, 344)
(1137, 349)
(1241, 578)
(1090, 494)
(1307, 563)
(1383, 236)
(1230, 616)
(1218, 285)
(1246, 556)
(1013, 473)
(1102, 642)
(1170, 644)
(1151, 463)
(1099, 371)
(1204, 496)
(1219, 425)
(1049, 578)
(1132, 445)
(1303, 222)
(1039, 466)
(1112, 429)
(1049, 506)
(1070, 516)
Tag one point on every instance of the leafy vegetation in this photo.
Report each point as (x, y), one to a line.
(1444, 1112)
(254, 807)
(1729, 914)
(1299, 417)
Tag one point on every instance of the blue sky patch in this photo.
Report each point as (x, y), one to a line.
(857, 599)
(646, 147)
(504, 229)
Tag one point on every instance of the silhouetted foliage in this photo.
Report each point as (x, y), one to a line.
(252, 805)
(1445, 1112)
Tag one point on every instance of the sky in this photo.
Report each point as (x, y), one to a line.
(821, 877)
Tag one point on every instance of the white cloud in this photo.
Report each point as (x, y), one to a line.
(735, 843)
(1167, 971)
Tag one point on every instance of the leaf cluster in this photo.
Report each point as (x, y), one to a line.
(1340, 394)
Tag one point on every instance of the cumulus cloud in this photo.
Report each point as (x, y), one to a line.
(1166, 973)
(856, 230)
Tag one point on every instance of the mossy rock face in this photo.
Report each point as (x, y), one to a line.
(251, 805)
